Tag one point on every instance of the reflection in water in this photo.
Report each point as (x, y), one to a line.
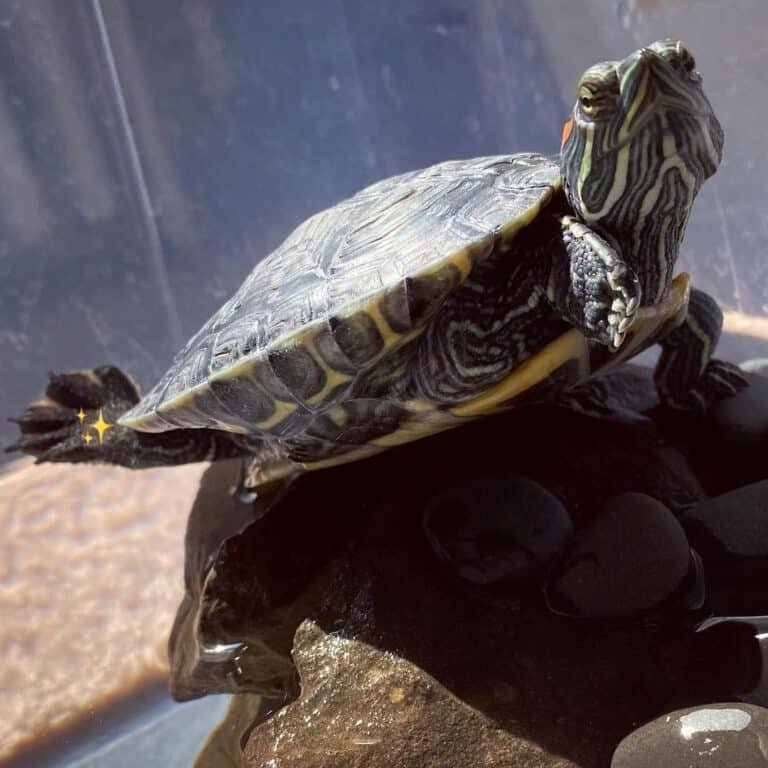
(91, 561)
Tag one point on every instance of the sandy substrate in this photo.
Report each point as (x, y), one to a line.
(747, 325)
(91, 564)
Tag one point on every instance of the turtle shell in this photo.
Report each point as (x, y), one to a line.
(347, 286)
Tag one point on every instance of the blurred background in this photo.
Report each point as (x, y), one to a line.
(152, 152)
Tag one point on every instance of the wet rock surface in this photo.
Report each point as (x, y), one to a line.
(362, 706)
(346, 550)
(711, 736)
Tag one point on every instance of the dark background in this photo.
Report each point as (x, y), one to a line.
(152, 152)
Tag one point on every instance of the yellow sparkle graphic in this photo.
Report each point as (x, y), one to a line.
(101, 426)
(81, 415)
(87, 438)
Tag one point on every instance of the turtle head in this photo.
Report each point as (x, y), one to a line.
(640, 142)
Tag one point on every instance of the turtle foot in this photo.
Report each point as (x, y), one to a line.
(718, 381)
(74, 420)
(609, 315)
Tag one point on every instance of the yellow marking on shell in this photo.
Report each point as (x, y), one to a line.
(225, 427)
(148, 422)
(461, 259)
(430, 420)
(356, 454)
(240, 370)
(430, 423)
(187, 400)
(570, 346)
(333, 378)
(184, 400)
(282, 411)
(390, 336)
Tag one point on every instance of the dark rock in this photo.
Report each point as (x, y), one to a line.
(728, 446)
(361, 706)
(345, 548)
(629, 560)
(731, 534)
(710, 736)
(248, 585)
(536, 675)
(729, 658)
(733, 526)
(497, 528)
(627, 395)
(743, 418)
(693, 591)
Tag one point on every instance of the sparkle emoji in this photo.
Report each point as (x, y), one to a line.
(101, 426)
(81, 415)
(88, 438)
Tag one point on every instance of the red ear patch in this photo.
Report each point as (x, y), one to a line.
(567, 128)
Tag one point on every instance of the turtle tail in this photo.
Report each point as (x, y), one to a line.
(77, 419)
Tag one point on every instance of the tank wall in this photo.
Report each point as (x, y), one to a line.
(152, 153)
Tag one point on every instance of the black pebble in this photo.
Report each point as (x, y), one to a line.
(630, 559)
(743, 418)
(730, 532)
(729, 658)
(497, 529)
(708, 736)
(733, 526)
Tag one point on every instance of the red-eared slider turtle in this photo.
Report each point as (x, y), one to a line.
(438, 296)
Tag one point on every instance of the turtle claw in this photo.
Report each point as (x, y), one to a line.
(718, 381)
(98, 388)
(59, 427)
(611, 329)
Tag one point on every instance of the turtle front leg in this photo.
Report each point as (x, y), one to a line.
(687, 376)
(591, 286)
(76, 422)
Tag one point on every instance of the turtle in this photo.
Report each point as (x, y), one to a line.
(439, 296)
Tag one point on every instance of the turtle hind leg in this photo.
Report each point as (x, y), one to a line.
(76, 422)
(687, 376)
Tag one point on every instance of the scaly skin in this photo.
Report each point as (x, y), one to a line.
(641, 141)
